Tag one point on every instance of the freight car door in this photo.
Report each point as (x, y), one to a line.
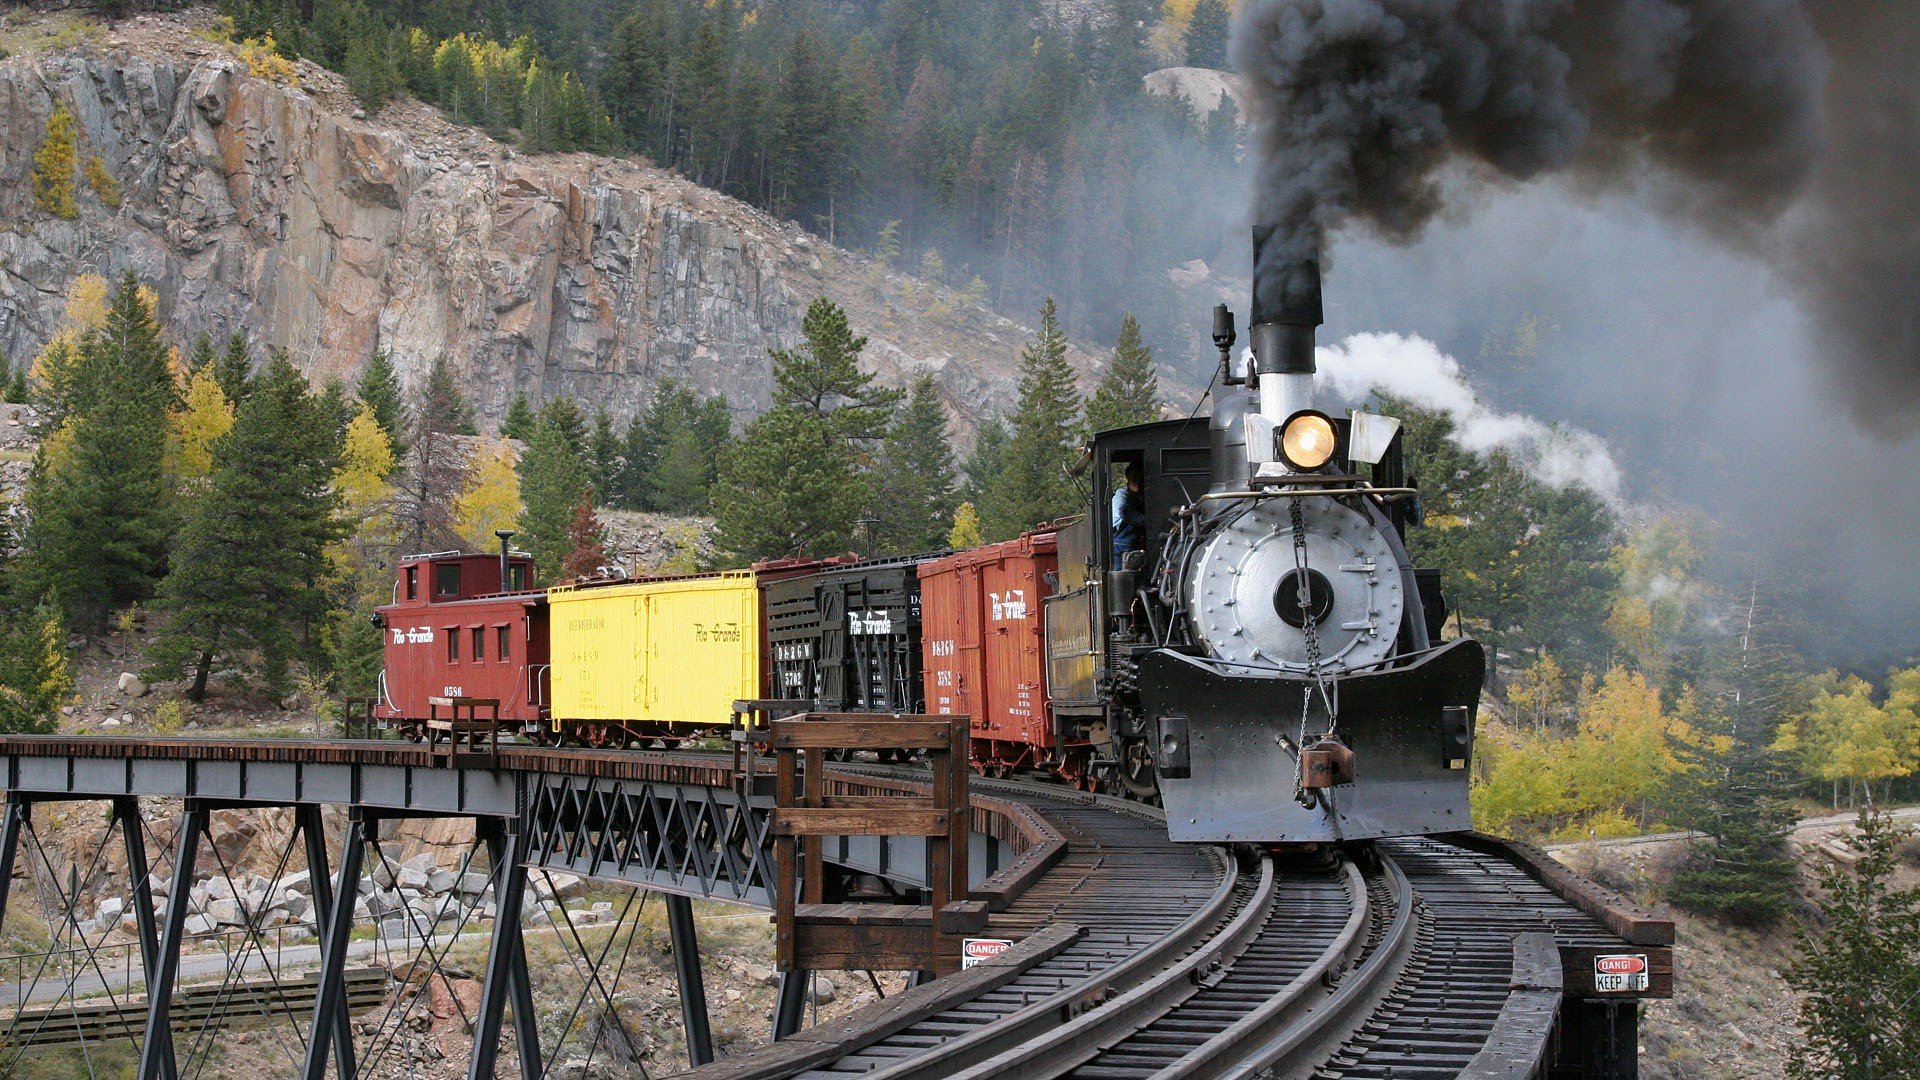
(1015, 649)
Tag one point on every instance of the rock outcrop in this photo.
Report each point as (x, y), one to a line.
(259, 206)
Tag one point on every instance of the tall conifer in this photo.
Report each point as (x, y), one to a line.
(1129, 391)
(553, 480)
(379, 391)
(914, 481)
(246, 584)
(100, 515)
(1033, 486)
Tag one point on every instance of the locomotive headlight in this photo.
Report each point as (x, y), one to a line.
(1307, 440)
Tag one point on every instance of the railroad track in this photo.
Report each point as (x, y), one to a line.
(1401, 960)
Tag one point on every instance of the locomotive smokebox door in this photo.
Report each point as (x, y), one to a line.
(1327, 763)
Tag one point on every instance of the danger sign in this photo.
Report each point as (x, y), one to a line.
(1620, 974)
(974, 950)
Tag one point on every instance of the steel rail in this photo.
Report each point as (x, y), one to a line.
(1060, 1049)
(1044, 1016)
(1294, 1037)
(1213, 1057)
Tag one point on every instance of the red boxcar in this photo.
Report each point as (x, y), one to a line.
(453, 631)
(984, 650)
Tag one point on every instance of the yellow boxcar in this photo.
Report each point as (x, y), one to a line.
(673, 650)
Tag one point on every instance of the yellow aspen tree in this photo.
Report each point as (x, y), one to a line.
(204, 416)
(491, 501)
(966, 527)
(53, 165)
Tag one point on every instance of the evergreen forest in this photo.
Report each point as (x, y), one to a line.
(980, 143)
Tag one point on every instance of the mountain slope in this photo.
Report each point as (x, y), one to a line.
(280, 209)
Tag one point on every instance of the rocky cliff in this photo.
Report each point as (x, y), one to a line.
(281, 211)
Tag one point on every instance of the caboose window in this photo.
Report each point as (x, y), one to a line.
(413, 583)
(479, 644)
(446, 579)
(505, 641)
(453, 643)
(517, 576)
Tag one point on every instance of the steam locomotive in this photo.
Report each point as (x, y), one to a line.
(1263, 658)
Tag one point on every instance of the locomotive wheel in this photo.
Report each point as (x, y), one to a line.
(1136, 772)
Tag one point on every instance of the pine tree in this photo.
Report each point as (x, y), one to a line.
(202, 356)
(603, 452)
(234, 368)
(823, 378)
(379, 390)
(1741, 870)
(1033, 486)
(682, 479)
(787, 488)
(34, 676)
(982, 468)
(565, 413)
(1129, 392)
(336, 404)
(1206, 36)
(914, 481)
(519, 421)
(247, 579)
(443, 408)
(98, 506)
(17, 389)
(966, 528)
(586, 543)
(1860, 974)
(553, 480)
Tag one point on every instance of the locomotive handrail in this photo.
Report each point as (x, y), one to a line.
(1396, 493)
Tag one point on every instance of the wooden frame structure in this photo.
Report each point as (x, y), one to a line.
(471, 741)
(811, 935)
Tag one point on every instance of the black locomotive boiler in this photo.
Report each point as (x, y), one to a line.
(1269, 652)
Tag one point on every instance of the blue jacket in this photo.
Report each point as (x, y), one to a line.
(1129, 521)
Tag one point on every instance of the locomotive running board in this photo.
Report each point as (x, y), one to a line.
(1226, 748)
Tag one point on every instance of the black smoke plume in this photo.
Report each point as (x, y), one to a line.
(1790, 128)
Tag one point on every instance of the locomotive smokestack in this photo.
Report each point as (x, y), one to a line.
(1286, 305)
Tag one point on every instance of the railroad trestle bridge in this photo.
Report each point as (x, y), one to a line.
(1131, 956)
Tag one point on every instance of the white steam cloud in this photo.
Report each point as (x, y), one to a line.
(1415, 369)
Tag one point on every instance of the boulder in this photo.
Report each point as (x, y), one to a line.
(383, 902)
(440, 881)
(200, 924)
(159, 886)
(472, 884)
(411, 877)
(108, 913)
(132, 685)
(273, 917)
(225, 912)
(296, 904)
(219, 888)
(558, 886)
(296, 880)
(822, 991)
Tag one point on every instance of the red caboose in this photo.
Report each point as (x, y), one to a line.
(465, 625)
